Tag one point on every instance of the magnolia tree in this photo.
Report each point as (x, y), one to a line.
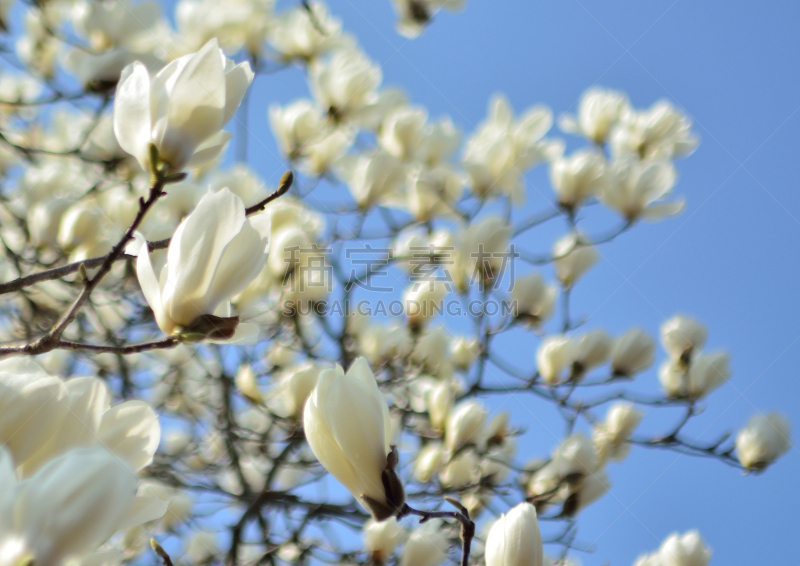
(239, 375)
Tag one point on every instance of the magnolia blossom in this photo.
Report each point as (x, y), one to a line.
(439, 400)
(632, 353)
(681, 335)
(427, 545)
(401, 131)
(554, 355)
(414, 15)
(763, 440)
(423, 301)
(181, 110)
(465, 425)
(214, 254)
(67, 508)
(297, 125)
(611, 435)
(598, 112)
(575, 455)
(661, 132)
(636, 189)
(514, 539)
(371, 178)
(706, 373)
(345, 84)
(482, 247)
(347, 425)
(574, 256)
(428, 462)
(235, 24)
(381, 539)
(461, 471)
(679, 550)
(464, 352)
(590, 350)
(296, 385)
(578, 177)
(296, 34)
(432, 191)
(533, 301)
(502, 149)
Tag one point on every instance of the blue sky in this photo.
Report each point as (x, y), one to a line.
(730, 260)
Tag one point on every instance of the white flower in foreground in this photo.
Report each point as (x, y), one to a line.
(67, 508)
(763, 440)
(574, 256)
(598, 112)
(635, 189)
(684, 550)
(427, 545)
(578, 177)
(214, 254)
(381, 539)
(514, 539)
(181, 110)
(632, 353)
(347, 425)
(681, 335)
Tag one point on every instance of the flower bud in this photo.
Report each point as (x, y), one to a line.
(464, 352)
(514, 539)
(610, 436)
(706, 373)
(577, 178)
(461, 471)
(633, 352)
(575, 455)
(686, 550)
(428, 462)
(591, 350)
(574, 256)
(440, 400)
(763, 440)
(347, 425)
(381, 538)
(247, 385)
(423, 301)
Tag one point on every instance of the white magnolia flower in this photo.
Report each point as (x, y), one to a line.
(483, 248)
(414, 15)
(439, 400)
(611, 435)
(661, 132)
(598, 112)
(534, 301)
(575, 455)
(234, 23)
(465, 425)
(590, 351)
(181, 110)
(372, 178)
(432, 191)
(68, 508)
(428, 462)
(554, 355)
(681, 336)
(438, 142)
(201, 547)
(578, 177)
(464, 352)
(705, 373)
(382, 538)
(427, 545)
(574, 256)
(514, 539)
(635, 189)
(503, 148)
(345, 83)
(401, 131)
(214, 254)
(296, 385)
(247, 384)
(633, 352)
(380, 342)
(297, 35)
(684, 550)
(763, 440)
(461, 471)
(296, 126)
(423, 301)
(346, 421)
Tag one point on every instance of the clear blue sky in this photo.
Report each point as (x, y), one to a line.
(731, 259)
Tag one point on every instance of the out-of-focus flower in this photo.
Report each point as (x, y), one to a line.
(574, 256)
(514, 539)
(578, 177)
(214, 254)
(302, 33)
(661, 132)
(432, 191)
(763, 440)
(611, 435)
(423, 301)
(439, 400)
(401, 131)
(414, 15)
(371, 178)
(201, 547)
(234, 23)
(67, 508)
(598, 112)
(533, 300)
(461, 471)
(483, 247)
(465, 425)
(346, 421)
(464, 352)
(502, 149)
(681, 336)
(296, 126)
(632, 353)
(427, 545)
(345, 84)
(428, 462)
(590, 351)
(247, 385)
(635, 189)
(382, 538)
(575, 455)
(554, 355)
(705, 373)
(679, 550)
(181, 110)
(296, 385)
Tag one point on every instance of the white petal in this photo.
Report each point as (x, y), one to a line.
(131, 430)
(210, 149)
(132, 124)
(148, 281)
(236, 83)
